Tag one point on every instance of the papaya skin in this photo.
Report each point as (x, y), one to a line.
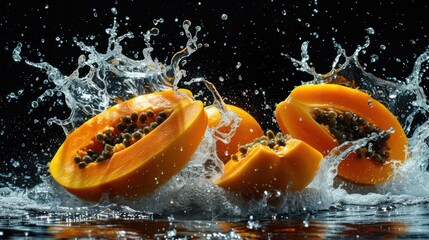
(142, 167)
(294, 116)
(247, 131)
(290, 168)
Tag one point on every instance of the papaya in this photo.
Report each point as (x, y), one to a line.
(248, 130)
(326, 115)
(131, 148)
(273, 161)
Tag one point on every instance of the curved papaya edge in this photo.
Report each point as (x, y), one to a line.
(142, 167)
(295, 116)
(247, 130)
(291, 167)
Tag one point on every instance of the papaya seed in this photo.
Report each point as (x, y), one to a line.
(100, 137)
(271, 140)
(82, 165)
(126, 120)
(137, 135)
(159, 119)
(150, 114)
(242, 149)
(153, 125)
(77, 159)
(270, 134)
(87, 159)
(142, 117)
(348, 126)
(134, 117)
(127, 131)
(146, 130)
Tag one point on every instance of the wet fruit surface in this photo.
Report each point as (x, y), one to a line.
(137, 161)
(326, 115)
(271, 162)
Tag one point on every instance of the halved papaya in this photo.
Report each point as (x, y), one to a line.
(326, 115)
(246, 132)
(131, 148)
(276, 162)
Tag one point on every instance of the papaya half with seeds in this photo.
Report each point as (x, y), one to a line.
(276, 162)
(131, 148)
(247, 130)
(326, 115)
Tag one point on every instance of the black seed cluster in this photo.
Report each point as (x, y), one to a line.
(113, 139)
(347, 126)
(273, 141)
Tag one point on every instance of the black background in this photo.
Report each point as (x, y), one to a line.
(255, 34)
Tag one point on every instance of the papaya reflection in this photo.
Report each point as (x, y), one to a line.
(244, 229)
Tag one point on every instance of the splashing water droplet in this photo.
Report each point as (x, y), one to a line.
(370, 30)
(238, 65)
(114, 11)
(158, 21)
(16, 53)
(224, 17)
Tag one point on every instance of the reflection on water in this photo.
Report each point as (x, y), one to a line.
(388, 221)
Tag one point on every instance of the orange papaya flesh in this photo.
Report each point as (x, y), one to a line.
(143, 165)
(271, 162)
(325, 115)
(248, 130)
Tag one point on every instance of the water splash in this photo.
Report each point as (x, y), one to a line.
(110, 76)
(404, 98)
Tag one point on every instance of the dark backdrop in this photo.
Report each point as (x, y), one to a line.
(254, 34)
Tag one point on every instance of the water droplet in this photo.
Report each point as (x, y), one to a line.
(16, 53)
(383, 47)
(157, 21)
(224, 16)
(284, 13)
(34, 104)
(374, 58)
(221, 79)
(370, 30)
(171, 233)
(46, 6)
(114, 10)
(238, 65)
